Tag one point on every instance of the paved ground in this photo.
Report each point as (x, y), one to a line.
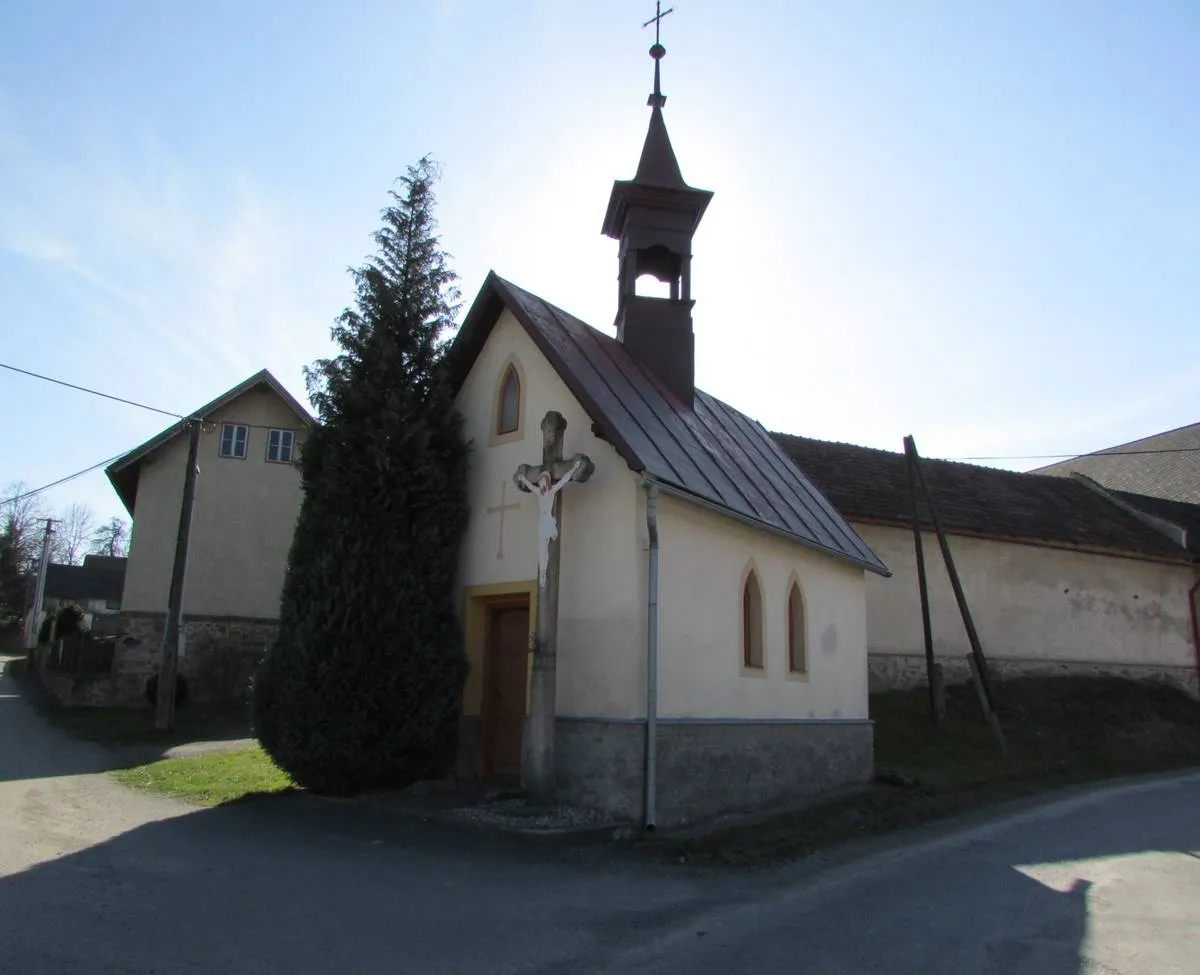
(96, 879)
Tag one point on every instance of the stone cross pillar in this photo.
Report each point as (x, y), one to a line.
(546, 481)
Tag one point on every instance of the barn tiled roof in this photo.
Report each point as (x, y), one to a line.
(1181, 513)
(1166, 465)
(711, 454)
(872, 485)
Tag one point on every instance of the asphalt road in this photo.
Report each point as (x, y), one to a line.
(97, 879)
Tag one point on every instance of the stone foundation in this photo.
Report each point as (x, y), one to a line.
(72, 690)
(896, 671)
(218, 654)
(707, 768)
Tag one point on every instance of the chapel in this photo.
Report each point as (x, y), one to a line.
(665, 619)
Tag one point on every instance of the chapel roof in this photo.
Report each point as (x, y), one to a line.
(710, 454)
(871, 485)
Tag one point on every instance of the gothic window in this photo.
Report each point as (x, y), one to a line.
(508, 409)
(752, 623)
(797, 647)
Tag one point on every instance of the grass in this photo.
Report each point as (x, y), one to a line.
(1059, 732)
(209, 780)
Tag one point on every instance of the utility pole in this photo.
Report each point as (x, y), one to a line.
(164, 717)
(33, 623)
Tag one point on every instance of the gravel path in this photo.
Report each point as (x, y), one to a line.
(54, 796)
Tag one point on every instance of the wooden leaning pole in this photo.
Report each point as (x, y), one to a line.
(976, 661)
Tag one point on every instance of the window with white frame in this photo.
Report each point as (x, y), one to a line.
(279, 446)
(233, 440)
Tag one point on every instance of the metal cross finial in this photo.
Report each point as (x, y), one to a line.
(656, 20)
(657, 98)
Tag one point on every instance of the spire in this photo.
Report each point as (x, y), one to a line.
(654, 216)
(658, 165)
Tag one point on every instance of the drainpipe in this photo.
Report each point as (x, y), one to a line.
(652, 657)
(1194, 601)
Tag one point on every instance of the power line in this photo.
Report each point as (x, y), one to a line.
(260, 426)
(1077, 456)
(94, 392)
(129, 402)
(61, 480)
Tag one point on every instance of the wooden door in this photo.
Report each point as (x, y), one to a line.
(505, 685)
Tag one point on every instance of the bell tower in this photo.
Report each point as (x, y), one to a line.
(654, 217)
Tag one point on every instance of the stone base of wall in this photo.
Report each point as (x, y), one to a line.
(216, 650)
(896, 671)
(708, 768)
(73, 690)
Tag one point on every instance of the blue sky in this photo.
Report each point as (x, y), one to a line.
(975, 223)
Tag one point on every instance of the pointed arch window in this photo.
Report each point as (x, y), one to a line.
(752, 623)
(796, 632)
(508, 411)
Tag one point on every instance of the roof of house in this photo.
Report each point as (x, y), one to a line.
(90, 581)
(123, 472)
(1166, 465)
(1181, 513)
(872, 485)
(710, 454)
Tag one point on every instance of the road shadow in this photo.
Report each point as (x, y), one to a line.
(318, 886)
(1032, 894)
(297, 884)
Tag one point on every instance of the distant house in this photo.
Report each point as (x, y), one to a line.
(247, 500)
(1062, 575)
(1166, 465)
(95, 587)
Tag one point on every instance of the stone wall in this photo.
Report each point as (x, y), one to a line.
(895, 671)
(215, 649)
(73, 690)
(708, 768)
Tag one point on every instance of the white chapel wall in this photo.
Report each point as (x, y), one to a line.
(599, 633)
(1031, 603)
(703, 558)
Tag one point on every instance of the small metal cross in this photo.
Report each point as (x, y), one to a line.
(502, 507)
(656, 20)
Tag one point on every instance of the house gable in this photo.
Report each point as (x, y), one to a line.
(243, 520)
(123, 473)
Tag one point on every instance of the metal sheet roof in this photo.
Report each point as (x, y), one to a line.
(711, 453)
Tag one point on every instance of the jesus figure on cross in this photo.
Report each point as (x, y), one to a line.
(545, 488)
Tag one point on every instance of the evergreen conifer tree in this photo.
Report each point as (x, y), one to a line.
(363, 686)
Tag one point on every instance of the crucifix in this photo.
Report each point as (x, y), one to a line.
(545, 482)
(502, 507)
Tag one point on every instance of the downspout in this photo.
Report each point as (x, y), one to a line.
(1194, 605)
(652, 657)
